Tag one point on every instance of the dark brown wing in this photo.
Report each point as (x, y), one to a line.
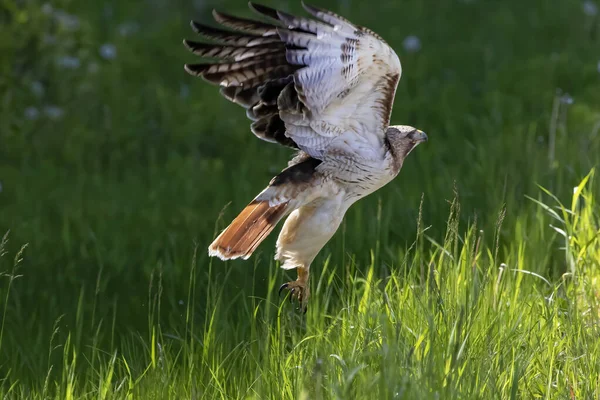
(251, 67)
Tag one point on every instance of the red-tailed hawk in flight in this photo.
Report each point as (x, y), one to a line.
(325, 87)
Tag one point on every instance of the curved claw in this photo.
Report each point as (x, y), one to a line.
(298, 292)
(284, 286)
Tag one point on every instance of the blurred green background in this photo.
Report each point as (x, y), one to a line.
(115, 164)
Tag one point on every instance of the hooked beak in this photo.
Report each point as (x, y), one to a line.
(418, 136)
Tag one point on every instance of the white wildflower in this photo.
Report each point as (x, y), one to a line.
(32, 113)
(108, 51)
(590, 8)
(598, 66)
(411, 44)
(180, 302)
(68, 62)
(53, 112)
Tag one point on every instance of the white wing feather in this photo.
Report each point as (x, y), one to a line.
(347, 86)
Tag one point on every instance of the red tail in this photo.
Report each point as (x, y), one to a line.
(247, 230)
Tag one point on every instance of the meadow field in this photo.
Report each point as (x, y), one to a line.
(474, 275)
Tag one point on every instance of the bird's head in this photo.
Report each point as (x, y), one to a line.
(403, 139)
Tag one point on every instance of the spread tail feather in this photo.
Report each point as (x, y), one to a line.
(247, 230)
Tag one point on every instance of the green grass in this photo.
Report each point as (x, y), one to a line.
(475, 274)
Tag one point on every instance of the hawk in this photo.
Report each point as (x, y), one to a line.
(325, 87)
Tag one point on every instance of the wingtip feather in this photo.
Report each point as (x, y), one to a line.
(220, 17)
(196, 26)
(309, 8)
(286, 18)
(187, 69)
(196, 69)
(263, 10)
(200, 28)
(188, 45)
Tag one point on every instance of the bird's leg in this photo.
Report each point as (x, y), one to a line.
(299, 288)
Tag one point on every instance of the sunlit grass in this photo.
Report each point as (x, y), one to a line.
(477, 326)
